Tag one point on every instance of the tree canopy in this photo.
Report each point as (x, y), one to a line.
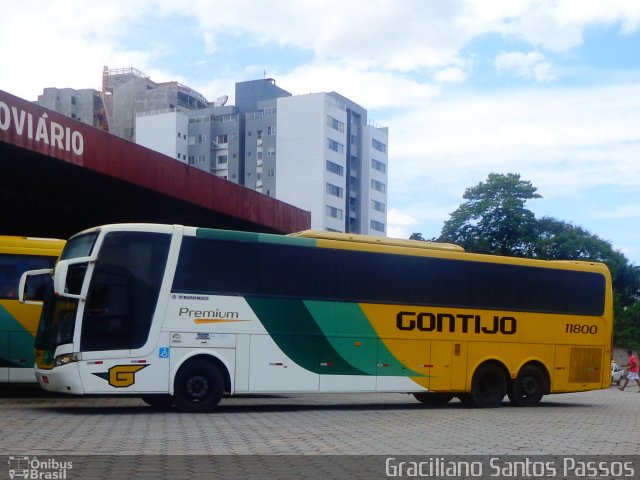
(494, 219)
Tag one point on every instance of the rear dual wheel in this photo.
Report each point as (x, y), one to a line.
(529, 386)
(488, 387)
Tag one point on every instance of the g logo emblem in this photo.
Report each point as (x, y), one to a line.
(122, 376)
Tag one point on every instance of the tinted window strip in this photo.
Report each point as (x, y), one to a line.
(238, 268)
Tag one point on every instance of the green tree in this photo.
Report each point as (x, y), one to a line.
(494, 219)
(626, 330)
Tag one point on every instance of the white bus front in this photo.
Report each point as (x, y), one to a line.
(95, 334)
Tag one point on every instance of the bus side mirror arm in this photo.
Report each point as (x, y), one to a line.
(24, 281)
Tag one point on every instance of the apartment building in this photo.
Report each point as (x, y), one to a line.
(316, 151)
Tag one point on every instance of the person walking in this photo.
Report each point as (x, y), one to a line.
(632, 373)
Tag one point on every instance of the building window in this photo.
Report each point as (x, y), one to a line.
(379, 166)
(334, 212)
(379, 186)
(222, 159)
(335, 168)
(335, 123)
(258, 134)
(271, 172)
(202, 159)
(379, 206)
(271, 152)
(335, 146)
(223, 138)
(378, 226)
(271, 130)
(381, 147)
(334, 190)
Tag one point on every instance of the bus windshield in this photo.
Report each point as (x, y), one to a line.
(58, 317)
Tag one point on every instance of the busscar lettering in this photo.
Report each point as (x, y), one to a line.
(452, 323)
(41, 130)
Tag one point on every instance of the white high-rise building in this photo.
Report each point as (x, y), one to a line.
(331, 162)
(164, 131)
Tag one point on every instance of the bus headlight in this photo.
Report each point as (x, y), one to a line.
(66, 358)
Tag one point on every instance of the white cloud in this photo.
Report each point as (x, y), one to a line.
(67, 43)
(555, 25)
(525, 65)
(450, 75)
(581, 12)
(371, 89)
(399, 224)
(569, 139)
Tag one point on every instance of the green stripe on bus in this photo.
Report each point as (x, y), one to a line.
(232, 235)
(13, 332)
(350, 333)
(296, 333)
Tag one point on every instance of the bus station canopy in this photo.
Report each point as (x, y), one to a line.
(59, 176)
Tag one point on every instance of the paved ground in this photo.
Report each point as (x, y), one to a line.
(605, 422)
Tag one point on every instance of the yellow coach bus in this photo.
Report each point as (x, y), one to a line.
(181, 315)
(18, 322)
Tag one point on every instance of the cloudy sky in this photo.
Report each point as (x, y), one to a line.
(549, 89)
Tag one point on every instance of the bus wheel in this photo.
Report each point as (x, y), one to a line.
(528, 388)
(161, 402)
(198, 387)
(433, 399)
(488, 386)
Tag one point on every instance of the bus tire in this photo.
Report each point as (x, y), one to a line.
(160, 402)
(198, 387)
(488, 386)
(433, 399)
(529, 387)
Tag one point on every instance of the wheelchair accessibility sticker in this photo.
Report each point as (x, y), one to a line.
(163, 352)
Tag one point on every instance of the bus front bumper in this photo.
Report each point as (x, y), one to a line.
(63, 379)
